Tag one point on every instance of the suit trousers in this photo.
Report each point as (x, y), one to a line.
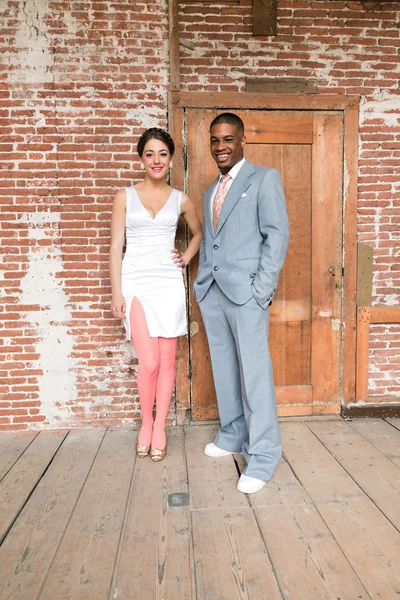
(238, 341)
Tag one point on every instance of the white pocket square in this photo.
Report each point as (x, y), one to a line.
(243, 195)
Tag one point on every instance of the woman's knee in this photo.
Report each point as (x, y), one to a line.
(168, 353)
(149, 367)
(167, 363)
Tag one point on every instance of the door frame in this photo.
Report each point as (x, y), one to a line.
(178, 102)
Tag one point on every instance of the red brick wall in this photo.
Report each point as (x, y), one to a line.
(78, 82)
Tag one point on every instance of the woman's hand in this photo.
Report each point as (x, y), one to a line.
(178, 258)
(118, 306)
(188, 212)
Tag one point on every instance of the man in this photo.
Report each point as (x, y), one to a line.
(246, 233)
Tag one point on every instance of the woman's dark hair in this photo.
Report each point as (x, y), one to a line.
(154, 133)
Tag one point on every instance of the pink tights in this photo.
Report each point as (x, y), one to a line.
(155, 378)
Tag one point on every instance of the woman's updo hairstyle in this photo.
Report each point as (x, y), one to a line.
(154, 133)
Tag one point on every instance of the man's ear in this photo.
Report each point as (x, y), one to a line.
(243, 142)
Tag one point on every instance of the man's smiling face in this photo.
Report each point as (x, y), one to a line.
(226, 145)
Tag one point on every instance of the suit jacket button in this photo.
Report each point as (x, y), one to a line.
(215, 247)
(215, 268)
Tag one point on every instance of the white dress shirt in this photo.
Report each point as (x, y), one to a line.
(232, 173)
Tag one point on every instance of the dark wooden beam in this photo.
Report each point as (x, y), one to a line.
(222, 100)
(174, 53)
(280, 85)
(368, 410)
(265, 17)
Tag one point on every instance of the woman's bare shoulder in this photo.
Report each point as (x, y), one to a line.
(120, 195)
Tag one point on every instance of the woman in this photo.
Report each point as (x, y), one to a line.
(147, 284)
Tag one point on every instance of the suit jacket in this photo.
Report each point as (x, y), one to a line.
(247, 251)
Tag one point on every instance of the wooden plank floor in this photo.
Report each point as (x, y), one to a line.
(82, 518)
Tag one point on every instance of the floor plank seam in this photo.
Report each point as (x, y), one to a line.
(6, 533)
(355, 481)
(211, 508)
(20, 456)
(329, 529)
(123, 527)
(191, 510)
(392, 424)
(51, 563)
(236, 465)
(278, 585)
(376, 447)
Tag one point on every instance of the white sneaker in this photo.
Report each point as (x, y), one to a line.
(250, 485)
(215, 452)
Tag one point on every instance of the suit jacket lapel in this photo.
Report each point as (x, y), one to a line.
(207, 206)
(239, 185)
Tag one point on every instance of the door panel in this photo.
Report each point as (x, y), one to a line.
(306, 148)
(290, 312)
(327, 191)
(267, 128)
(200, 173)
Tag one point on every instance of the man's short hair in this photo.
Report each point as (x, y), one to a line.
(230, 118)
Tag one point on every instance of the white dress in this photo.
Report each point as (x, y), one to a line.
(148, 271)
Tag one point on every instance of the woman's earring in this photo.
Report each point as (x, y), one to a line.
(141, 165)
(170, 165)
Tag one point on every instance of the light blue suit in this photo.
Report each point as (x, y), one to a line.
(237, 279)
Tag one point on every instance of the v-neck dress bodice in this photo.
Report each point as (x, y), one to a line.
(148, 271)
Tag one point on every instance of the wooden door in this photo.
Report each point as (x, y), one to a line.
(305, 325)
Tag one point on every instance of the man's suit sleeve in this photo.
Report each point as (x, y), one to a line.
(202, 261)
(274, 227)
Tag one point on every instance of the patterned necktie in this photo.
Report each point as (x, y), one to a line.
(219, 199)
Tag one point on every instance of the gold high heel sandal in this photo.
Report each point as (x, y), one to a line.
(142, 451)
(158, 455)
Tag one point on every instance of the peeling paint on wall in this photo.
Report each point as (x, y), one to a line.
(381, 105)
(40, 286)
(34, 61)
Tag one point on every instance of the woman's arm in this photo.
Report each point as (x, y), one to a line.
(189, 213)
(118, 304)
